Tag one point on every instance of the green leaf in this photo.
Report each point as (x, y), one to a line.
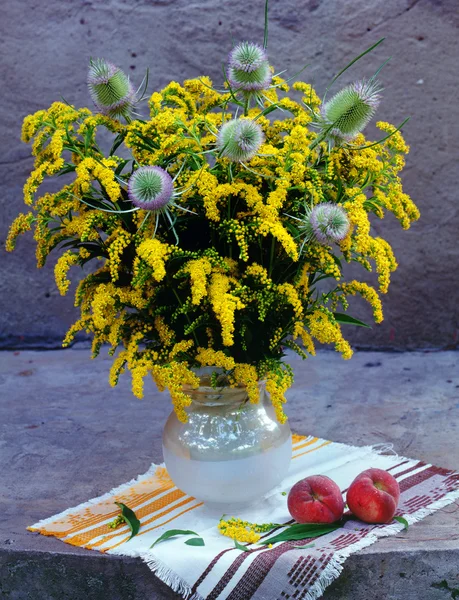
(240, 546)
(195, 542)
(351, 63)
(343, 318)
(130, 518)
(121, 166)
(304, 547)
(266, 111)
(382, 139)
(171, 533)
(265, 33)
(302, 531)
(403, 521)
(117, 142)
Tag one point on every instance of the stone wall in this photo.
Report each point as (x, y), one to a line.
(45, 47)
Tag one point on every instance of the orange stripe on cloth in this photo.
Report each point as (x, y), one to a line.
(296, 438)
(313, 441)
(81, 539)
(121, 530)
(312, 449)
(155, 527)
(86, 518)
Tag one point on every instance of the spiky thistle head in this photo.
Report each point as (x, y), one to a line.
(329, 223)
(110, 88)
(150, 188)
(239, 139)
(351, 109)
(248, 68)
(325, 223)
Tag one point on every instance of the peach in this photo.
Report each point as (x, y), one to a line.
(315, 499)
(373, 496)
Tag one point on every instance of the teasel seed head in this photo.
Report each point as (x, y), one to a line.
(240, 139)
(150, 188)
(110, 89)
(328, 223)
(248, 68)
(351, 109)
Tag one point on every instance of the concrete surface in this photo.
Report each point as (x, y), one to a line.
(65, 436)
(45, 47)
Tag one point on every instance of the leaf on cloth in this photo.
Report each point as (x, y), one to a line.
(130, 517)
(303, 531)
(403, 521)
(304, 547)
(240, 546)
(171, 533)
(195, 542)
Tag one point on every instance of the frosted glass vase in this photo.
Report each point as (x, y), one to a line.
(230, 452)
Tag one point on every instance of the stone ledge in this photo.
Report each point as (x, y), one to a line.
(66, 437)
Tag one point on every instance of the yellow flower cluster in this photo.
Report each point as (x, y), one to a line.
(287, 290)
(175, 377)
(367, 292)
(166, 334)
(61, 269)
(247, 375)
(225, 276)
(115, 248)
(155, 254)
(327, 331)
(300, 332)
(89, 169)
(199, 270)
(276, 385)
(21, 224)
(243, 531)
(224, 305)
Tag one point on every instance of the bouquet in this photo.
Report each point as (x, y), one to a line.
(210, 224)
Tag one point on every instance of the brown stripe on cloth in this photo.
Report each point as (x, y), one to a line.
(306, 575)
(221, 585)
(206, 572)
(258, 570)
(217, 558)
(388, 470)
(420, 477)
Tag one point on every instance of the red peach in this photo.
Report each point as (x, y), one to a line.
(373, 496)
(315, 499)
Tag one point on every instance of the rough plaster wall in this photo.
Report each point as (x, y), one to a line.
(45, 48)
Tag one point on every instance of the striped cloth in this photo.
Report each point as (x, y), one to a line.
(218, 570)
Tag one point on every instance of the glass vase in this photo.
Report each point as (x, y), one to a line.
(231, 451)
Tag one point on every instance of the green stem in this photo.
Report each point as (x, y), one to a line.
(186, 314)
(271, 255)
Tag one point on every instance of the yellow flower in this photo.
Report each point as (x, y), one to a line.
(247, 375)
(121, 240)
(287, 290)
(368, 293)
(155, 254)
(224, 305)
(327, 331)
(396, 141)
(239, 530)
(199, 269)
(63, 264)
(214, 358)
(21, 224)
(166, 334)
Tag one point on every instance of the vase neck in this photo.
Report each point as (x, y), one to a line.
(206, 395)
